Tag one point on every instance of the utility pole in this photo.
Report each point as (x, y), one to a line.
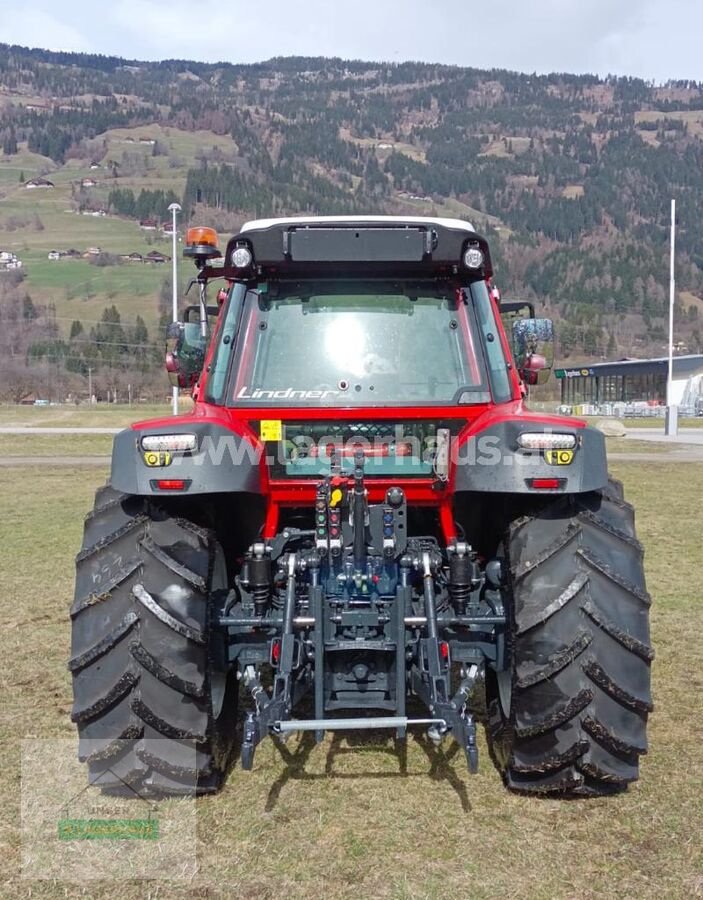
(90, 386)
(174, 209)
(672, 411)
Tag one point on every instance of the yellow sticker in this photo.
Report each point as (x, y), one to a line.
(559, 457)
(271, 430)
(336, 497)
(161, 458)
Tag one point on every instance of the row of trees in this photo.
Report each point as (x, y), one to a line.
(37, 358)
(146, 205)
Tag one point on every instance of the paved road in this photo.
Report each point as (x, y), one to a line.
(685, 435)
(22, 429)
(51, 462)
(676, 456)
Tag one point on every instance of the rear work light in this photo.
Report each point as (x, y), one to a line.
(159, 442)
(473, 258)
(542, 440)
(241, 257)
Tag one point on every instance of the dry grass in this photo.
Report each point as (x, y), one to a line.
(692, 117)
(104, 415)
(47, 445)
(355, 821)
(659, 423)
(689, 299)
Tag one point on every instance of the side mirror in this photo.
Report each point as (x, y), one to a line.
(533, 343)
(185, 353)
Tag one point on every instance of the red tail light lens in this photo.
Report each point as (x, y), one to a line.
(546, 484)
(170, 484)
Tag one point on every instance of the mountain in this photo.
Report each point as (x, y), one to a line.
(570, 176)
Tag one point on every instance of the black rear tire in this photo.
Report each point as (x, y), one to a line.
(154, 714)
(579, 690)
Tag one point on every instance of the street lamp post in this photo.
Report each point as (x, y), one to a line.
(672, 410)
(174, 209)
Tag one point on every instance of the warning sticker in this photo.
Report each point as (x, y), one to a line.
(271, 430)
(559, 457)
(160, 458)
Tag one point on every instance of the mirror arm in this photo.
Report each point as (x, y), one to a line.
(202, 297)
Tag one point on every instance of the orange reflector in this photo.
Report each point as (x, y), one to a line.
(171, 484)
(202, 235)
(546, 484)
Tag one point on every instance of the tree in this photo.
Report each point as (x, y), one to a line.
(110, 337)
(139, 344)
(76, 329)
(28, 309)
(9, 144)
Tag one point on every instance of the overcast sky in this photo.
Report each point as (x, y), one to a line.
(647, 38)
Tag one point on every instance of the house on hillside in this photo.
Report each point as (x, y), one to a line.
(148, 224)
(167, 228)
(73, 253)
(88, 182)
(29, 400)
(92, 251)
(56, 254)
(146, 140)
(9, 261)
(38, 183)
(155, 257)
(133, 257)
(95, 165)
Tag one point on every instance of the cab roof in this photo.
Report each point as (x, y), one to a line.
(260, 224)
(356, 247)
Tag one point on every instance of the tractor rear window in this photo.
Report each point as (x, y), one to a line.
(360, 344)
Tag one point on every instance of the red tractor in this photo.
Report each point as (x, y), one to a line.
(360, 525)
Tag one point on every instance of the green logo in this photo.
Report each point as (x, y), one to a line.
(108, 829)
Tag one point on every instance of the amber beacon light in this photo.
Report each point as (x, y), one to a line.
(201, 243)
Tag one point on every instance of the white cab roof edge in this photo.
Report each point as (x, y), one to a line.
(381, 220)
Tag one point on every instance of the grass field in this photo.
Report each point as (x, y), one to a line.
(648, 422)
(78, 289)
(344, 821)
(659, 423)
(104, 415)
(28, 445)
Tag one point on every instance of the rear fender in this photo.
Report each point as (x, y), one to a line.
(223, 461)
(492, 460)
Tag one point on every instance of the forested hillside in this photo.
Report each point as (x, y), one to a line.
(571, 177)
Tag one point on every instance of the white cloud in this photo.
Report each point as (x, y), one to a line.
(38, 28)
(637, 37)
